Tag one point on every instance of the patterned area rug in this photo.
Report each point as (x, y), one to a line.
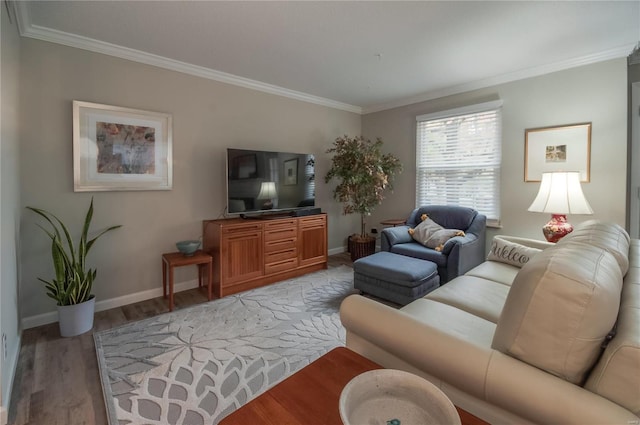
(197, 365)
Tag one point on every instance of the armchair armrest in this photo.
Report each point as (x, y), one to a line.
(466, 252)
(394, 235)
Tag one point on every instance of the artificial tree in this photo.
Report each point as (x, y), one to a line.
(363, 173)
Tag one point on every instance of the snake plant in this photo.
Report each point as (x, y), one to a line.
(73, 281)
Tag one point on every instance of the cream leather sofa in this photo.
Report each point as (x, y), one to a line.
(524, 345)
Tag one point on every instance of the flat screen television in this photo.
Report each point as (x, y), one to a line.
(266, 181)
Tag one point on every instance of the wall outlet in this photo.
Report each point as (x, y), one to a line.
(374, 230)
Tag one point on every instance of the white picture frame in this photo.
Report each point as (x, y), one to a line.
(116, 148)
(558, 148)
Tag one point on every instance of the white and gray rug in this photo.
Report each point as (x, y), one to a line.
(197, 365)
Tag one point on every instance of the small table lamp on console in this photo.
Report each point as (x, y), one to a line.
(268, 193)
(560, 194)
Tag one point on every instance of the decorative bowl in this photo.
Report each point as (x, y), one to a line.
(188, 247)
(394, 397)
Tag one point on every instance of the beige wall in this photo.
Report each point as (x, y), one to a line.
(208, 117)
(594, 93)
(10, 201)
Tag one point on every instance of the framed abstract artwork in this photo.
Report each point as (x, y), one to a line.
(561, 148)
(117, 148)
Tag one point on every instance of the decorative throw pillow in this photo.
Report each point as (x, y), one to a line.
(438, 239)
(431, 234)
(511, 253)
(424, 230)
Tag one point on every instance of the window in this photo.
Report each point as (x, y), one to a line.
(458, 155)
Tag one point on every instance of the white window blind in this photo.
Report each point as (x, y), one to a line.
(458, 156)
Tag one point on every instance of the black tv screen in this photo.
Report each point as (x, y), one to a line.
(262, 181)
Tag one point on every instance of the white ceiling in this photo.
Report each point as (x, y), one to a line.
(354, 55)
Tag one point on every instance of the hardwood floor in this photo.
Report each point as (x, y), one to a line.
(57, 380)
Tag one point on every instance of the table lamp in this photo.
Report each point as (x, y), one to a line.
(560, 194)
(268, 192)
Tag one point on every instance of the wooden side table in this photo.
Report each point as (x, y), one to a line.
(177, 259)
(393, 222)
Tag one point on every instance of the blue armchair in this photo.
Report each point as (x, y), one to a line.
(459, 254)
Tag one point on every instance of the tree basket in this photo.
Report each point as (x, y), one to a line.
(361, 247)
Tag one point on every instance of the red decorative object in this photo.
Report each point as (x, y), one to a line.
(557, 228)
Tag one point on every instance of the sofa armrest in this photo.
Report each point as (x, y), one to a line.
(391, 236)
(433, 348)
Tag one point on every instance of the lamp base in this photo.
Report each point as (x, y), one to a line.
(557, 228)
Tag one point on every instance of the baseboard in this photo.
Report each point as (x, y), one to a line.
(339, 250)
(52, 316)
(4, 404)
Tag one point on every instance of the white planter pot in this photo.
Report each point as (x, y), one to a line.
(76, 319)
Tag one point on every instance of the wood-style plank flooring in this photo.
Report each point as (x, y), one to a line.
(57, 380)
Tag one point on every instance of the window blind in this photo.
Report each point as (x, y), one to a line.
(458, 157)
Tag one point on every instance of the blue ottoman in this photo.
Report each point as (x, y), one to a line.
(394, 277)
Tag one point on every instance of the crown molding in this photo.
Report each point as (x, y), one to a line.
(28, 29)
(522, 74)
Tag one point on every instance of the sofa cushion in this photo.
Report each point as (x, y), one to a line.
(480, 297)
(492, 270)
(509, 252)
(561, 306)
(609, 236)
(616, 374)
(451, 320)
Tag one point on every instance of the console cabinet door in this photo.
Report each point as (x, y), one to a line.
(312, 240)
(241, 254)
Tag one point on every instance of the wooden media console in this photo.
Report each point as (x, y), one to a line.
(252, 252)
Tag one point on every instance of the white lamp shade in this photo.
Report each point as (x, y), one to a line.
(267, 190)
(561, 193)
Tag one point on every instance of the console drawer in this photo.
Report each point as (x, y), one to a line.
(281, 233)
(244, 228)
(269, 225)
(276, 257)
(279, 245)
(281, 266)
(314, 220)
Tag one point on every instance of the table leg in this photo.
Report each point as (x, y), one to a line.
(164, 278)
(210, 279)
(170, 288)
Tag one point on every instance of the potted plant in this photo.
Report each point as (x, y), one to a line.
(73, 281)
(363, 173)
